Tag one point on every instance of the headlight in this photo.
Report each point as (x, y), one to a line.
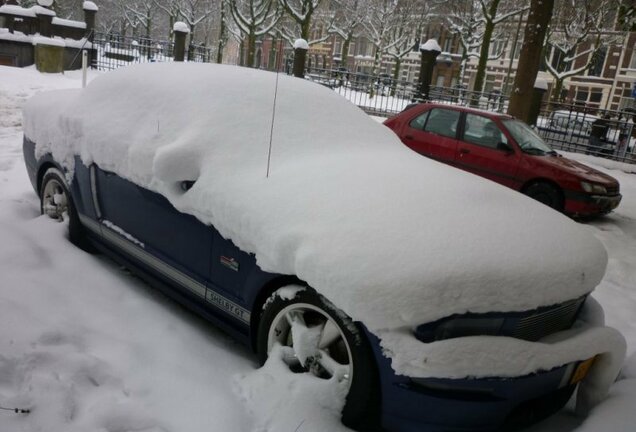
(593, 188)
(458, 327)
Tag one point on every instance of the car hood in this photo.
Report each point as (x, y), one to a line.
(580, 170)
(308, 183)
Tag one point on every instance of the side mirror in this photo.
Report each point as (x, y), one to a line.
(502, 146)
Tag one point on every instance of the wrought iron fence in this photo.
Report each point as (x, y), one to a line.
(384, 96)
(114, 50)
(607, 134)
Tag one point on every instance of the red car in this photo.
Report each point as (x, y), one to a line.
(506, 150)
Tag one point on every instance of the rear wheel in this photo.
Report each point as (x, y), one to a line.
(546, 194)
(318, 339)
(56, 203)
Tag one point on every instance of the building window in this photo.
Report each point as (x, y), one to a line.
(496, 47)
(589, 96)
(581, 95)
(596, 95)
(448, 44)
(632, 64)
(596, 69)
(490, 83)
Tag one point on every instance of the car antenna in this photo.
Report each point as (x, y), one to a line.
(271, 131)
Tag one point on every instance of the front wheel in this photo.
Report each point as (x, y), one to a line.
(318, 339)
(546, 194)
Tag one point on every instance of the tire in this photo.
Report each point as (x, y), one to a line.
(546, 194)
(56, 202)
(346, 344)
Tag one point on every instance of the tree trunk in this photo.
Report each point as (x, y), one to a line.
(556, 91)
(251, 49)
(530, 58)
(148, 28)
(396, 75)
(222, 35)
(305, 28)
(374, 72)
(242, 52)
(478, 86)
(345, 51)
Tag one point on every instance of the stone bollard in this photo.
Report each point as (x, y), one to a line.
(540, 87)
(181, 31)
(90, 11)
(49, 54)
(300, 54)
(429, 52)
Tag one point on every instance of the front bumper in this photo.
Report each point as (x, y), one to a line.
(489, 395)
(487, 404)
(581, 204)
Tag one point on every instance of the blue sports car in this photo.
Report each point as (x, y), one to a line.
(286, 216)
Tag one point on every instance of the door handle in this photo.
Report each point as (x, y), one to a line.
(464, 151)
(408, 136)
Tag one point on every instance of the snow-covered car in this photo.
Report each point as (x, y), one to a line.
(288, 217)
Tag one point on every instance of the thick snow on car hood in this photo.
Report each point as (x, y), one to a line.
(392, 238)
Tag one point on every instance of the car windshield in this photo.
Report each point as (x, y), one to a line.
(527, 138)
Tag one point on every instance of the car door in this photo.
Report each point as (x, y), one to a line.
(146, 227)
(485, 150)
(434, 133)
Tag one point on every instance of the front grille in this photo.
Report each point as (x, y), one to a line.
(547, 321)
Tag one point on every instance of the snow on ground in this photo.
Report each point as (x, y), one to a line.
(98, 350)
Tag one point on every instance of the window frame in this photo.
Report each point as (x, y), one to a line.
(501, 131)
(459, 127)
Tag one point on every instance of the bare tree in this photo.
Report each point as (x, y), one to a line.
(171, 9)
(143, 11)
(301, 13)
(194, 12)
(578, 31)
(491, 13)
(407, 31)
(379, 29)
(253, 19)
(347, 24)
(465, 23)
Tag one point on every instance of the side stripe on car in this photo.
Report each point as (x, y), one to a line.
(172, 273)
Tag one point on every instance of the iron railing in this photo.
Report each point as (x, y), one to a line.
(113, 51)
(608, 134)
(384, 96)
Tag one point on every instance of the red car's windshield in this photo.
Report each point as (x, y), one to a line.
(527, 138)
